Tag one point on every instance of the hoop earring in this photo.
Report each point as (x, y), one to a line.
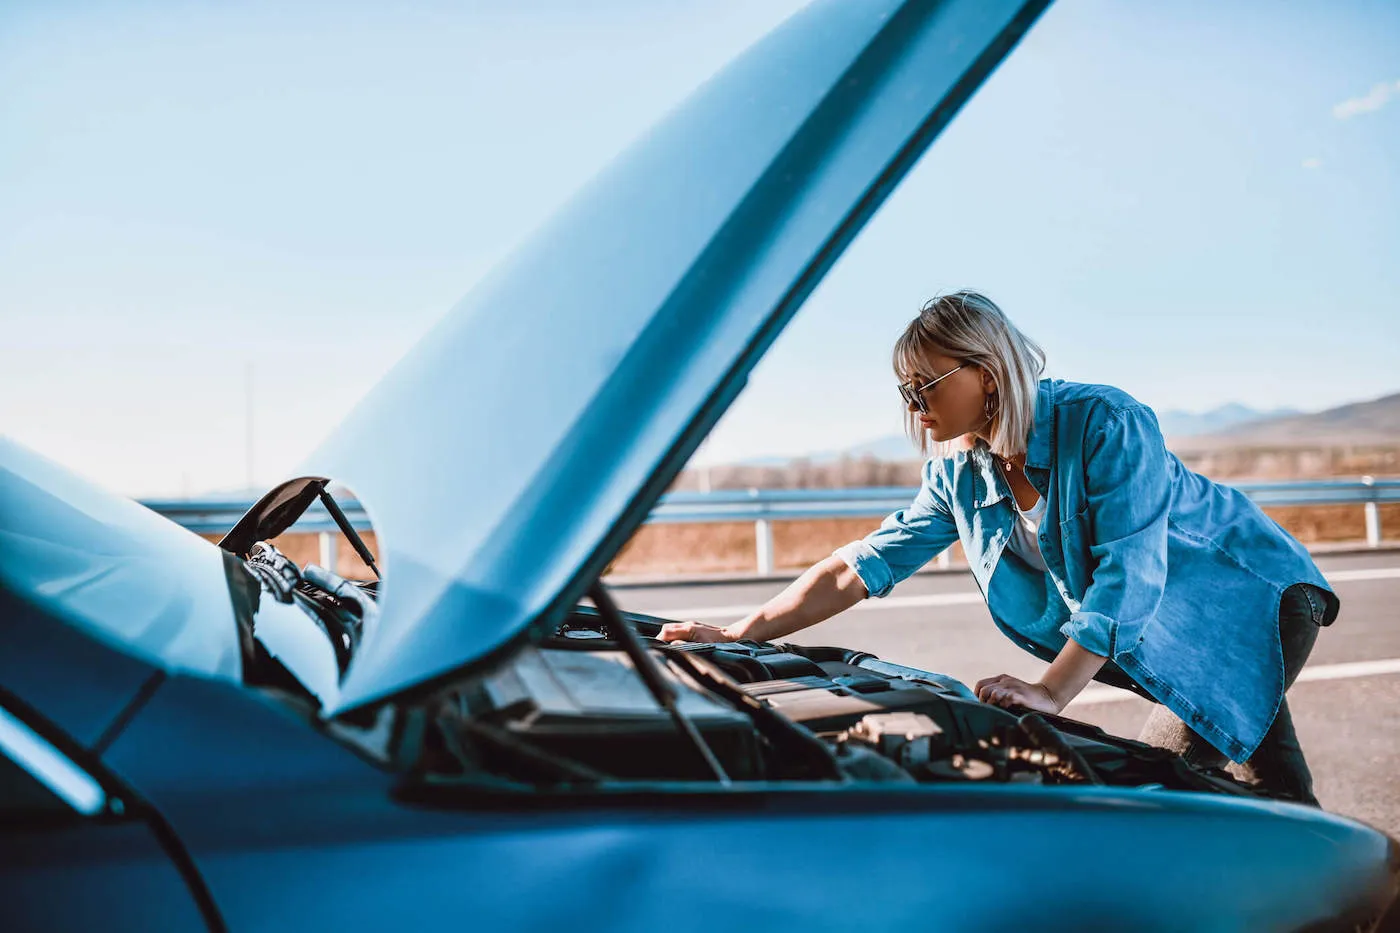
(991, 404)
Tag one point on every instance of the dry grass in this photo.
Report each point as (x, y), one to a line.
(728, 546)
(703, 548)
(675, 549)
(305, 549)
(1316, 524)
(724, 547)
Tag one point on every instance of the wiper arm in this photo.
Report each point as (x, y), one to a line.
(349, 531)
(650, 671)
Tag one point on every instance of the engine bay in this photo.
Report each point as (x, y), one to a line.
(601, 699)
(778, 712)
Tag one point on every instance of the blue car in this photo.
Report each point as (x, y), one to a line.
(214, 737)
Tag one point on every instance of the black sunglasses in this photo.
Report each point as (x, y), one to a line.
(914, 395)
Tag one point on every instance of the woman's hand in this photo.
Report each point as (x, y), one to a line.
(1005, 690)
(695, 631)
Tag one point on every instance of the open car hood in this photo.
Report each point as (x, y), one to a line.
(520, 443)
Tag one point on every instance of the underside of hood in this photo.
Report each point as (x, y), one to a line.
(515, 449)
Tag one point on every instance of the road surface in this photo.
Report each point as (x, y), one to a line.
(1346, 703)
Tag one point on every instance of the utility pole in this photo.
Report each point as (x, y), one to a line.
(702, 473)
(248, 422)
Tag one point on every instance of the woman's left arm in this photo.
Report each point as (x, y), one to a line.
(1071, 670)
(1128, 486)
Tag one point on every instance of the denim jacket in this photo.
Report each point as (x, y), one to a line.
(1174, 578)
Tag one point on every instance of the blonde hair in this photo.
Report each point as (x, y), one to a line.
(969, 327)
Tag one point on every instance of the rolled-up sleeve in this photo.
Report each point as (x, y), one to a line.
(1129, 492)
(905, 540)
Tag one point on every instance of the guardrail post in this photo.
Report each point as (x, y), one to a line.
(1373, 514)
(763, 541)
(327, 544)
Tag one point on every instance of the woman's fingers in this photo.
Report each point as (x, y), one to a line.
(987, 685)
(1007, 691)
(1003, 690)
(692, 631)
(677, 631)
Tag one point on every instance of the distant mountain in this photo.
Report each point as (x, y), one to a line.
(1190, 424)
(1175, 425)
(894, 448)
(1360, 423)
(777, 460)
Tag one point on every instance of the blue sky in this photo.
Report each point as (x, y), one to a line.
(1197, 204)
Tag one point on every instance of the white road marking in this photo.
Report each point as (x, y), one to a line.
(1092, 696)
(1343, 671)
(889, 602)
(1369, 573)
(1349, 669)
(701, 613)
(1097, 693)
(733, 613)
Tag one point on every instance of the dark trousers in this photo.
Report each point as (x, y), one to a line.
(1278, 763)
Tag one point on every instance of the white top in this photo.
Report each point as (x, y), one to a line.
(1025, 533)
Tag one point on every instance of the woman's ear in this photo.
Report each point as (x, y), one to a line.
(989, 382)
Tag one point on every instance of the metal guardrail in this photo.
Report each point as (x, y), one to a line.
(765, 506)
(217, 516)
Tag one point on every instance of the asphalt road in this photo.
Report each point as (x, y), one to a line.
(1346, 703)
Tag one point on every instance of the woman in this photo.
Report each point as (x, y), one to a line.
(1095, 548)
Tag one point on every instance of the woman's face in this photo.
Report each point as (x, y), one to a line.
(957, 404)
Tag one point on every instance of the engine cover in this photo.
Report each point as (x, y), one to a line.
(590, 706)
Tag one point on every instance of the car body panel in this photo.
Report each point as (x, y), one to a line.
(113, 567)
(158, 595)
(287, 828)
(950, 857)
(514, 449)
(122, 879)
(212, 740)
(79, 684)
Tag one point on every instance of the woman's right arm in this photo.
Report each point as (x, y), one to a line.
(825, 589)
(904, 542)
